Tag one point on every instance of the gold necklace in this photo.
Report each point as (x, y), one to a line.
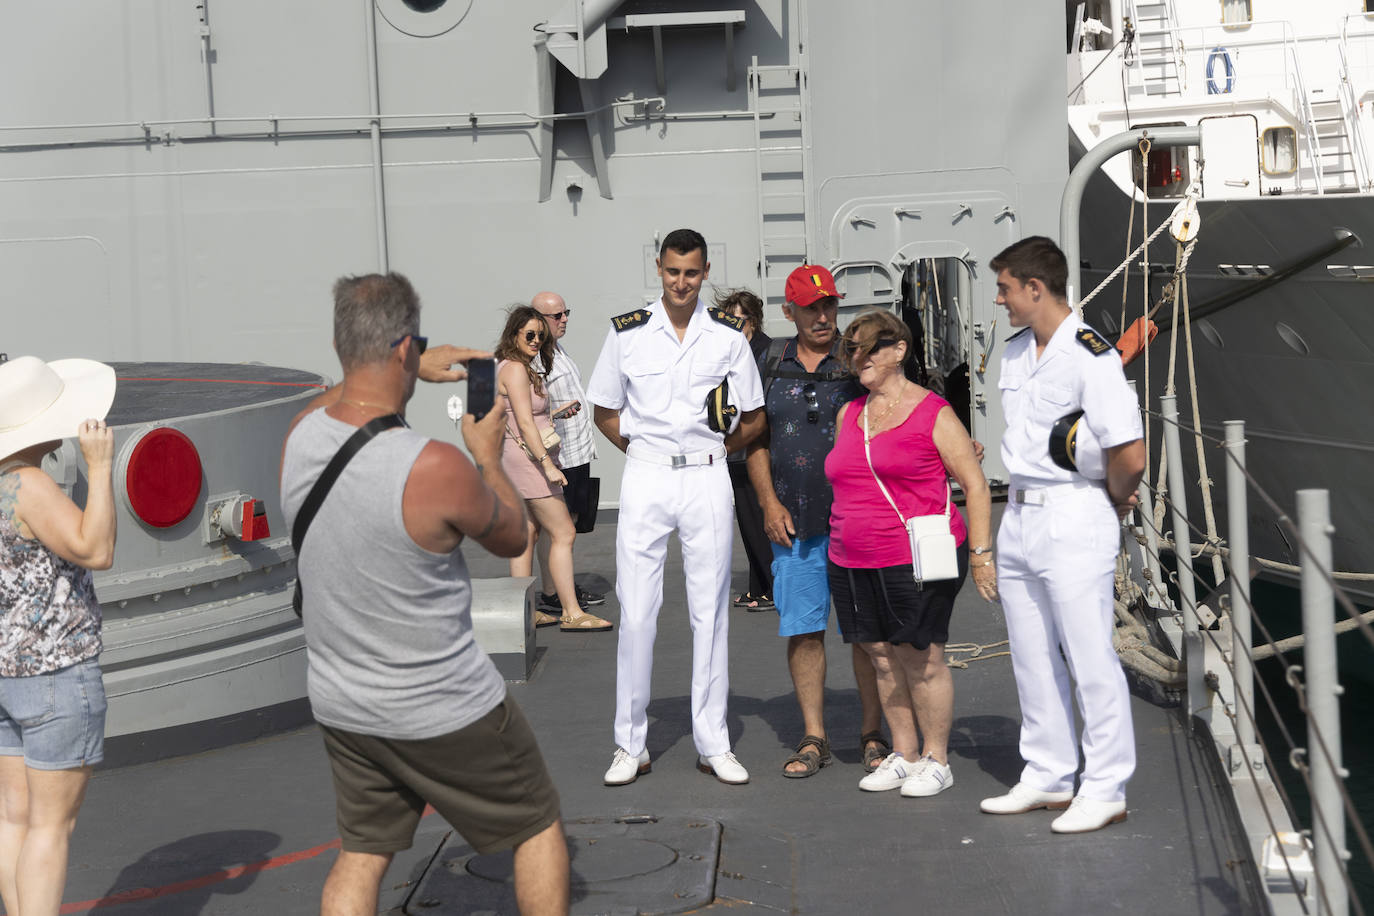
(891, 407)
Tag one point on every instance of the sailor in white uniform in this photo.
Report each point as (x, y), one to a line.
(1057, 546)
(657, 371)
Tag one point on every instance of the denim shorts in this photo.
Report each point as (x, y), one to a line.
(56, 721)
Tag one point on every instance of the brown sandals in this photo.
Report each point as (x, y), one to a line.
(874, 755)
(812, 751)
(583, 623)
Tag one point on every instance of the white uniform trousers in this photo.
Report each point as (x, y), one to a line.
(1055, 566)
(697, 501)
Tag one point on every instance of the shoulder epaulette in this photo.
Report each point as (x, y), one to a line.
(630, 319)
(1016, 335)
(1094, 341)
(726, 318)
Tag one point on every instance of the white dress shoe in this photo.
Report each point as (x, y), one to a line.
(1088, 814)
(725, 768)
(626, 767)
(1023, 798)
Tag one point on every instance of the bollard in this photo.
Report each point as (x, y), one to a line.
(1323, 702)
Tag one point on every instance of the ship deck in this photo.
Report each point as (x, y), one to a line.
(250, 828)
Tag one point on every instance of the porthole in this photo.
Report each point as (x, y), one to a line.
(1292, 338)
(1209, 331)
(423, 18)
(1109, 323)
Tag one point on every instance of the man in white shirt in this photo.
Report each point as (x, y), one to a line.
(656, 390)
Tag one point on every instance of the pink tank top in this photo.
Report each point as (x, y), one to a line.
(865, 532)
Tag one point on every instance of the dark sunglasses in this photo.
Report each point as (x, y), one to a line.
(813, 405)
(557, 316)
(532, 336)
(851, 346)
(420, 342)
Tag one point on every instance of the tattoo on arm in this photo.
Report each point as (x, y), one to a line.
(494, 520)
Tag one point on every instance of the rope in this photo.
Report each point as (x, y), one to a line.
(1123, 265)
(976, 653)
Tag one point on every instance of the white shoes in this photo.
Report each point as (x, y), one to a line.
(890, 774)
(626, 767)
(1023, 798)
(928, 777)
(725, 768)
(1088, 814)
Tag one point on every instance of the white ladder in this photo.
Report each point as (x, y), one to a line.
(1157, 51)
(1335, 153)
(778, 99)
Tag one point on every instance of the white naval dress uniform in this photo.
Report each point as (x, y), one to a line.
(1056, 554)
(675, 478)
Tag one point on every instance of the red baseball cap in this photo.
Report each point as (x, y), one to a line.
(808, 283)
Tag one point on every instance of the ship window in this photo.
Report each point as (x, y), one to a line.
(1279, 151)
(1235, 12)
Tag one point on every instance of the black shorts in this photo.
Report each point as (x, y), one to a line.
(487, 780)
(885, 604)
(575, 491)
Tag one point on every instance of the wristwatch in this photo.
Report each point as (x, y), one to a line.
(979, 551)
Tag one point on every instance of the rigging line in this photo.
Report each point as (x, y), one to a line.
(1106, 57)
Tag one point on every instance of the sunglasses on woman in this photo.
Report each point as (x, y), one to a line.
(853, 346)
(532, 336)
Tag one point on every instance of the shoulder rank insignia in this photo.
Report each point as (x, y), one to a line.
(1017, 334)
(1093, 341)
(630, 319)
(726, 318)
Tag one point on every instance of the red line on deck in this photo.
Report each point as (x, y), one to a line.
(191, 884)
(226, 381)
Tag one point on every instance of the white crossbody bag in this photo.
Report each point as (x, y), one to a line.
(934, 554)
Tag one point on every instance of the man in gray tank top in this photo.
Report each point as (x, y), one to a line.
(411, 709)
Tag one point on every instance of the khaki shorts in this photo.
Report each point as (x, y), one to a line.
(487, 780)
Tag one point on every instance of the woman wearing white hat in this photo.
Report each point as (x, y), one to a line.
(52, 701)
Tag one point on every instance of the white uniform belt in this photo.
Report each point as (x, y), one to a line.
(1044, 493)
(639, 453)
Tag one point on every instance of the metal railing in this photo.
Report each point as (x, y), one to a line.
(1315, 865)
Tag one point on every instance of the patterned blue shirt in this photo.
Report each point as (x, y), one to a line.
(801, 429)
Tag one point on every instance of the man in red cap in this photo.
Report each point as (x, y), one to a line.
(805, 383)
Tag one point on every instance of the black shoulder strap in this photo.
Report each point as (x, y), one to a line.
(772, 357)
(773, 361)
(331, 473)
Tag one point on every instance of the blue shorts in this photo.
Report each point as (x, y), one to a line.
(55, 721)
(801, 586)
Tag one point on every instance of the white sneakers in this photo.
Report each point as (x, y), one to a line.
(725, 768)
(1023, 798)
(921, 779)
(928, 777)
(1088, 814)
(626, 767)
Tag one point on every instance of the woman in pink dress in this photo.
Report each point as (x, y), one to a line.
(916, 443)
(532, 468)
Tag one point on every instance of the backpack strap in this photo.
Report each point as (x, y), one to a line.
(322, 486)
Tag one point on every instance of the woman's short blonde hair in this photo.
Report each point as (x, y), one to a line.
(867, 328)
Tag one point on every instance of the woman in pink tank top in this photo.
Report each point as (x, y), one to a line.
(911, 440)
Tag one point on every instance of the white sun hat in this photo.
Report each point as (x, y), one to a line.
(40, 402)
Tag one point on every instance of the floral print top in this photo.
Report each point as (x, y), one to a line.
(49, 615)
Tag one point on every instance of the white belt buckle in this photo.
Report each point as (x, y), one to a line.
(1031, 497)
(679, 461)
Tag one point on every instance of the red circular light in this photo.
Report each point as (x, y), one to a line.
(162, 480)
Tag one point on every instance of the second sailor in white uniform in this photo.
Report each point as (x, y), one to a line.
(657, 371)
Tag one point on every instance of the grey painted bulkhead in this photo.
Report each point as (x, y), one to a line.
(132, 227)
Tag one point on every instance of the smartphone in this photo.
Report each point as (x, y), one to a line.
(567, 410)
(481, 387)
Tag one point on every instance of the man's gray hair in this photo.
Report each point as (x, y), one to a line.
(370, 312)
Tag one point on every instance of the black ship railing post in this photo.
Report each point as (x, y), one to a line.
(1323, 692)
(1198, 699)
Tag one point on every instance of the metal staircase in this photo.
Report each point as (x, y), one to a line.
(1334, 151)
(778, 99)
(1158, 63)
